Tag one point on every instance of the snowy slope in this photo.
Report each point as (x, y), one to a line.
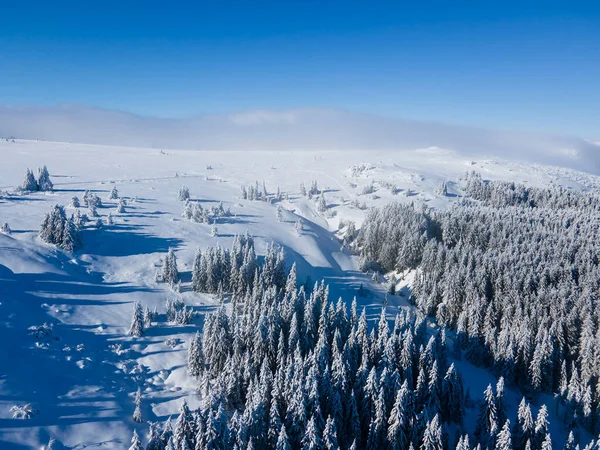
(81, 370)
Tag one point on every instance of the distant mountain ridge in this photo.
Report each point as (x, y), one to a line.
(301, 129)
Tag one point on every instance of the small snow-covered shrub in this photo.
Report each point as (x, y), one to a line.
(23, 411)
(359, 169)
(114, 194)
(42, 331)
(5, 228)
(369, 188)
(172, 342)
(118, 349)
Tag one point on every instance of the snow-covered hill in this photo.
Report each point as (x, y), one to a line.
(63, 317)
(297, 129)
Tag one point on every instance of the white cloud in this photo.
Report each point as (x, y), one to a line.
(306, 129)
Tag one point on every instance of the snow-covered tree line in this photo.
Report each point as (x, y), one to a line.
(289, 370)
(43, 182)
(312, 192)
(196, 213)
(217, 270)
(259, 193)
(516, 275)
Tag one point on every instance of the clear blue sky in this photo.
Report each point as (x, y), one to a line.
(501, 64)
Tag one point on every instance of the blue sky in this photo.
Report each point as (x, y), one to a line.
(522, 65)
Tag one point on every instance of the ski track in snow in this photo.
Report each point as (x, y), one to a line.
(76, 374)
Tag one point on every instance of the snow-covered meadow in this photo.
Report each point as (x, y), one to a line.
(64, 317)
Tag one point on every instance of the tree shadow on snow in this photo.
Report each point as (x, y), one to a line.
(112, 242)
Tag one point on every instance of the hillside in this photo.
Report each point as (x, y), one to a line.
(65, 316)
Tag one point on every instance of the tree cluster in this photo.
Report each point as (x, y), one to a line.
(59, 230)
(514, 271)
(43, 182)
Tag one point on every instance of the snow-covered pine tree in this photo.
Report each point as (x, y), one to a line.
(282, 440)
(195, 356)
(330, 439)
(136, 328)
(148, 316)
(487, 422)
(154, 440)
(43, 182)
(170, 273)
(322, 204)
(121, 206)
(433, 438)
(188, 210)
(29, 183)
(504, 438)
(541, 427)
(183, 194)
(5, 228)
(58, 230)
(137, 413)
(113, 194)
(136, 443)
(70, 239)
(279, 213)
(312, 440)
(75, 203)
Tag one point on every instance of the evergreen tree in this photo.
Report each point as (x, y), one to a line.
(433, 437)
(75, 203)
(282, 440)
(322, 205)
(541, 427)
(136, 328)
(504, 439)
(136, 443)
(195, 357)
(524, 428)
(137, 413)
(114, 194)
(183, 194)
(43, 182)
(487, 422)
(170, 273)
(330, 440)
(29, 183)
(311, 439)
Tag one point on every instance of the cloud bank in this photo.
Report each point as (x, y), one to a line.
(306, 129)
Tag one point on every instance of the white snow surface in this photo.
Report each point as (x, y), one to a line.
(81, 371)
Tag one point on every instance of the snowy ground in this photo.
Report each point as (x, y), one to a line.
(81, 371)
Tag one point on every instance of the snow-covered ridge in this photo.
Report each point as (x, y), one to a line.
(303, 129)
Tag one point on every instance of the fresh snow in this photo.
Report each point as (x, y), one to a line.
(64, 318)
